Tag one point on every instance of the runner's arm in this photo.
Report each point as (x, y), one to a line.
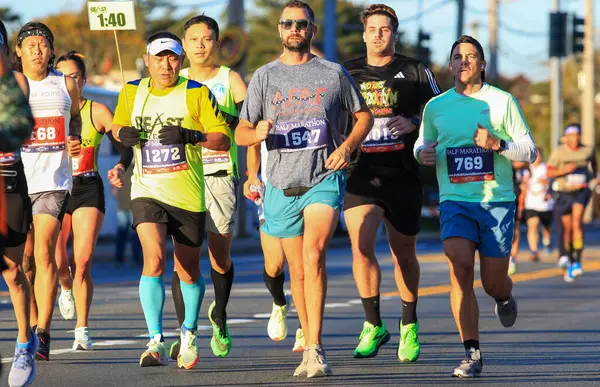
(238, 89)
(103, 118)
(521, 147)
(209, 121)
(75, 122)
(354, 103)
(427, 133)
(16, 121)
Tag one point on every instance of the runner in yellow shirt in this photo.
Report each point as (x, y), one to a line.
(166, 118)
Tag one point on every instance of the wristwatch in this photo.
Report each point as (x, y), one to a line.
(415, 120)
(502, 146)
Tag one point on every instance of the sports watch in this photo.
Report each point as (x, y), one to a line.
(502, 146)
(415, 120)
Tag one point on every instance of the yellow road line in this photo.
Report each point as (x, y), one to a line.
(521, 277)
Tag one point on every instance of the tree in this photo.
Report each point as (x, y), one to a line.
(266, 46)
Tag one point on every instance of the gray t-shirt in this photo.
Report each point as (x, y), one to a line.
(305, 103)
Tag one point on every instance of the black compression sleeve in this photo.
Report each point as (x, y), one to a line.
(125, 151)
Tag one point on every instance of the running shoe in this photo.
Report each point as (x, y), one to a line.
(174, 351)
(576, 269)
(221, 341)
(371, 339)
(409, 348)
(316, 365)
(299, 344)
(563, 262)
(43, 351)
(22, 371)
(82, 339)
(277, 327)
(507, 312)
(156, 354)
(535, 257)
(569, 277)
(66, 304)
(512, 266)
(471, 365)
(188, 354)
(301, 369)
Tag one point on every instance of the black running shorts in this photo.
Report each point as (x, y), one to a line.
(186, 227)
(18, 206)
(87, 192)
(402, 201)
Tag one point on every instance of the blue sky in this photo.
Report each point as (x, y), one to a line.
(523, 41)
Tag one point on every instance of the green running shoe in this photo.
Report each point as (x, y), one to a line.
(371, 339)
(221, 341)
(409, 348)
(174, 351)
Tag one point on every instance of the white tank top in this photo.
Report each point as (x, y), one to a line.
(45, 157)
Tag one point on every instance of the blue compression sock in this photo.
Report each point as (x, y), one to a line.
(152, 296)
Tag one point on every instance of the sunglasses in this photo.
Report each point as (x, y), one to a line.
(301, 24)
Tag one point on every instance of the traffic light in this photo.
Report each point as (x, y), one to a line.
(422, 52)
(558, 34)
(577, 34)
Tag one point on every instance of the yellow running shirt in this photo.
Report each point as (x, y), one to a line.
(171, 174)
(86, 163)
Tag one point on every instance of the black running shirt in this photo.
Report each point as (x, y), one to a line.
(401, 87)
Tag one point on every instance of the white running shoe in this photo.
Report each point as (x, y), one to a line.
(512, 266)
(277, 327)
(82, 339)
(66, 304)
(156, 355)
(188, 351)
(299, 344)
(563, 262)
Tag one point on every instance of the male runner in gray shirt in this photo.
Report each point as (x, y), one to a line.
(295, 104)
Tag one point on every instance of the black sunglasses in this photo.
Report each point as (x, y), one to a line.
(301, 24)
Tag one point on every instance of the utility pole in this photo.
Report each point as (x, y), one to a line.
(556, 102)
(461, 18)
(475, 29)
(492, 65)
(236, 16)
(330, 26)
(588, 135)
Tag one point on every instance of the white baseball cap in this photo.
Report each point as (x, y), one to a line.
(573, 129)
(164, 44)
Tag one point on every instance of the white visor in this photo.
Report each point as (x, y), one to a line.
(164, 44)
(572, 129)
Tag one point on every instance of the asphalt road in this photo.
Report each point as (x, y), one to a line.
(556, 340)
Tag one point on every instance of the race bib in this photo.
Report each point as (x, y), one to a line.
(48, 135)
(579, 177)
(300, 136)
(468, 164)
(380, 139)
(210, 156)
(157, 158)
(84, 163)
(9, 157)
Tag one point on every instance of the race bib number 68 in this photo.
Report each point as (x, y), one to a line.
(48, 135)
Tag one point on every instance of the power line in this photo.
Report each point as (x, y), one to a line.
(427, 10)
(518, 31)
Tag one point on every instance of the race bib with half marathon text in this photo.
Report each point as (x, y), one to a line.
(210, 156)
(299, 136)
(380, 139)
(469, 164)
(157, 158)
(9, 157)
(577, 178)
(48, 134)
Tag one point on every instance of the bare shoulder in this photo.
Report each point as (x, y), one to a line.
(22, 82)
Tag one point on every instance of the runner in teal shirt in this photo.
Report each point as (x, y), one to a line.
(471, 134)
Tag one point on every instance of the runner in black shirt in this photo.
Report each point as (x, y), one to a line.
(395, 88)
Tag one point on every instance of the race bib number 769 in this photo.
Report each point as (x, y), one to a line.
(468, 164)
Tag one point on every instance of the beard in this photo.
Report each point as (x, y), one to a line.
(297, 45)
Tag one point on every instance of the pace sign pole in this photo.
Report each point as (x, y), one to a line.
(113, 15)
